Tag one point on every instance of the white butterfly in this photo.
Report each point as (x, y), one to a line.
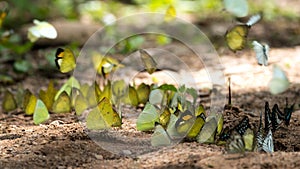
(253, 20)
(162, 137)
(279, 82)
(41, 29)
(268, 145)
(262, 53)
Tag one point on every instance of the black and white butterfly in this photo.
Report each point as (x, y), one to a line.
(259, 134)
(235, 144)
(262, 53)
(268, 121)
(268, 145)
(288, 113)
(242, 126)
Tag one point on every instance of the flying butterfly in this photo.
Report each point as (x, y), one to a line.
(170, 13)
(262, 52)
(148, 61)
(236, 37)
(279, 82)
(65, 60)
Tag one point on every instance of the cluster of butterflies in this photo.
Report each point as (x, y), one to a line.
(173, 117)
(242, 138)
(38, 106)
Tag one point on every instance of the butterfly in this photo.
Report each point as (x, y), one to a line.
(259, 134)
(235, 143)
(268, 121)
(268, 145)
(248, 138)
(208, 131)
(197, 126)
(162, 137)
(65, 60)
(185, 122)
(238, 7)
(288, 113)
(262, 53)
(9, 102)
(236, 37)
(62, 104)
(147, 119)
(279, 82)
(242, 126)
(170, 13)
(41, 113)
(148, 61)
(103, 116)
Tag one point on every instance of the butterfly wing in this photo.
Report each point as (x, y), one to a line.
(267, 117)
(259, 134)
(65, 60)
(236, 37)
(242, 126)
(254, 19)
(208, 131)
(235, 143)
(185, 122)
(268, 145)
(146, 120)
(279, 82)
(148, 61)
(41, 113)
(261, 52)
(160, 137)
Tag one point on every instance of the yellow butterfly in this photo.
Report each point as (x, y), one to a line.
(65, 60)
(62, 104)
(103, 116)
(48, 96)
(236, 37)
(9, 102)
(170, 13)
(185, 122)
